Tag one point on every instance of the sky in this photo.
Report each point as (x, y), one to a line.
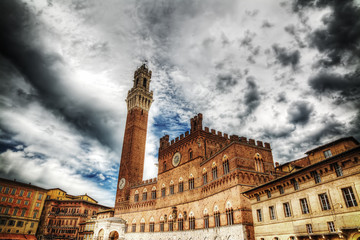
(283, 72)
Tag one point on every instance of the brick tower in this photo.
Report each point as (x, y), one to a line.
(138, 101)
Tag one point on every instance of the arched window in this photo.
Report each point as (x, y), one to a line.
(153, 193)
(136, 196)
(181, 185)
(259, 163)
(214, 171)
(164, 166)
(171, 187)
(226, 164)
(229, 214)
(133, 226)
(206, 218)
(191, 182)
(163, 190)
(144, 195)
(190, 154)
(216, 216)
(144, 82)
(161, 224)
(180, 223)
(191, 221)
(204, 176)
(151, 225)
(142, 225)
(171, 223)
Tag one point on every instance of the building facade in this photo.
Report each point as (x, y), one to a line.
(201, 175)
(64, 215)
(317, 201)
(21, 205)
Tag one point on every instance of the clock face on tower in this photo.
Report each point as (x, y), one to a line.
(122, 183)
(176, 159)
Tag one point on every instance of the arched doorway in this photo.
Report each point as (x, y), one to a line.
(101, 234)
(114, 235)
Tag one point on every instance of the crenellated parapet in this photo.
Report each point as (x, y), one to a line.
(144, 183)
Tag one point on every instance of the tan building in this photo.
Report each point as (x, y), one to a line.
(64, 215)
(20, 209)
(318, 201)
(201, 175)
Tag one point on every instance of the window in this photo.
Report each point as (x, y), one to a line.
(133, 227)
(191, 183)
(226, 166)
(324, 201)
(272, 213)
(11, 223)
(180, 224)
(349, 197)
(37, 204)
(161, 226)
(28, 195)
(136, 197)
(304, 206)
(281, 189)
(23, 212)
(13, 191)
(10, 200)
(18, 201)
(309, 228)
(259, 215)
(331, 226)
(192, 223)
(26, 202)
(126, 227)
(338, 170)
(6, 190)
(181, 186)
(257, 197)
(7, 210)
(21, 193)
(2, 221)
(171, 225)
(164, 166)
(3, 199)
(40, 196)
(287, 209)
(15, 211)
(35, 214)
(327, 153)
(142, 227)
(153, 194)
(144, 82)
(214, 173)
(206, 221)
(190, 154)
(20, 224)
(230, 216)
(217, 219)
(172, 189)
(144, 196)
(204, 178)
(163, 192)
(151, 227)
(268, 193)
(316, 176)
(295, 184)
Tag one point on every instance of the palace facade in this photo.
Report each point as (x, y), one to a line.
(197, 191)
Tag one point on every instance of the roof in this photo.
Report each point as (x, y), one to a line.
(303, 169)
(75, 200)
(332, 143)
(56, 189)
(107, 210)
(22, 184)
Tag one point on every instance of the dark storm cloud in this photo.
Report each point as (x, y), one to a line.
(339, 40)
(226, 81)
(299, 112)
(346, 86)
(252, 98)
(277, 132)
(42, 69)
(286, 57)
(267, 24)
(281, 97)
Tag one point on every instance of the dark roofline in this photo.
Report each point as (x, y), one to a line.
(55, 189)
(304, 169)
(333, 142)
(23, 184)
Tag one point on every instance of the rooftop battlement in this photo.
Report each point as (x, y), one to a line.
(196, 124)
(144, 182)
